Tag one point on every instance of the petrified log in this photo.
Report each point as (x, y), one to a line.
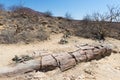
(20, 68)
(48, 63)
(62, 60)
(79, 56)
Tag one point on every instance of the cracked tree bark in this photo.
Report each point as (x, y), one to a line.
(64, 61)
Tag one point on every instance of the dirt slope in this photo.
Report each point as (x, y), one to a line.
(27, 25)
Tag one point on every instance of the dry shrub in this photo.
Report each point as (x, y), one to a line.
(48, 13)
(7, 36)
(10, 36)
(29, 36)
(42, 35)
(25, 36)
(92, 29)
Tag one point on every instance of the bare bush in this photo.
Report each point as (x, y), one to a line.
(94, 26)
(113, 13)
(68, 16)
(87, 18)
(48, 13)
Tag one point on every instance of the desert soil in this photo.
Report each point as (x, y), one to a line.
(107, 68)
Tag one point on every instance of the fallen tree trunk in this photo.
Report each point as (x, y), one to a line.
(62, 60)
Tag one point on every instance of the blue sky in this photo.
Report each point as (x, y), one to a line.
(77, 8)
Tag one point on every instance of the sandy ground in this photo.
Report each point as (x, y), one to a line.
(107, 68)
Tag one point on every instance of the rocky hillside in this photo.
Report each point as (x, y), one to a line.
(27, 25)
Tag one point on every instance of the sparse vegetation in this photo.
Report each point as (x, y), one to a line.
(98, 25)
(23, 24)
(10, 36)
